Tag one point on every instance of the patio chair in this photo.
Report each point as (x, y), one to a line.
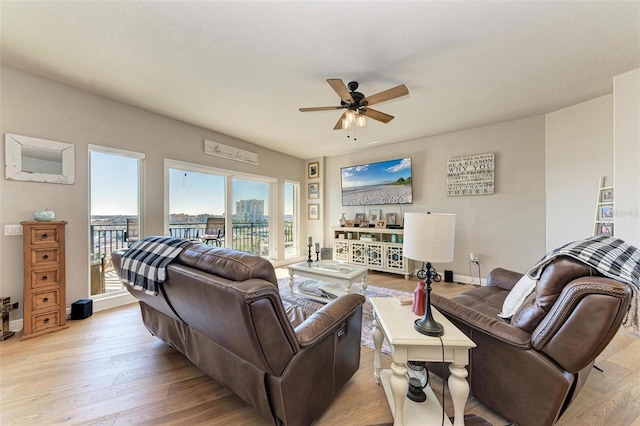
(214, 231)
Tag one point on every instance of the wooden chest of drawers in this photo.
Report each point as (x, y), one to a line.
(44, 278)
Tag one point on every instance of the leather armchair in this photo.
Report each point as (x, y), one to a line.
(530, 368)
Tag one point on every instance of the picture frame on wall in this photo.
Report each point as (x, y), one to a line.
(313, 171)
(607, 195)
(314, 211)
(314, 190)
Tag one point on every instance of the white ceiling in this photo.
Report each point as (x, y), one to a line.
(244, 68)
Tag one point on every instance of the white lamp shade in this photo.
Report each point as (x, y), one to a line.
(429, 237)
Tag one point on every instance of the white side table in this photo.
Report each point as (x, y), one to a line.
(395, 323)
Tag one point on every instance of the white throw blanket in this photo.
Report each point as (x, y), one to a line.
(611, 257)
(144, 264)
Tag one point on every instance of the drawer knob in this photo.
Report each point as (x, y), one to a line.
(44, 236)
(45, 257)
(44, 278)
(45, 300)
(46, 321)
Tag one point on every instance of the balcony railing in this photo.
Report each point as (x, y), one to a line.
(251, 237)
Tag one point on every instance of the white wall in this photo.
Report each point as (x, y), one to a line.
(579, 150)
(38, 107)
(626, 94)
(506, 229)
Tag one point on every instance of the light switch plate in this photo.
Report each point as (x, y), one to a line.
(13, 230)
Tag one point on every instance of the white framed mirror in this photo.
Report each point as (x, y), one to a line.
(38, 160)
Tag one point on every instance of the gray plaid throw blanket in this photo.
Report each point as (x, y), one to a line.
(144, 264)
(611, 257)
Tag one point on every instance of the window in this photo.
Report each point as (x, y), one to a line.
(291, 220)
(196, 194)
(115, 182)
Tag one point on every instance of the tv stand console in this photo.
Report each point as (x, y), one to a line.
(379, 249)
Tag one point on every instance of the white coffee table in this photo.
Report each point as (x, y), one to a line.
(342, 274)
(395, 323)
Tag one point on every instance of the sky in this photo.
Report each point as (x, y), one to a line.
(114, 190)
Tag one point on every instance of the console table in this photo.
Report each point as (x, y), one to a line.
(395, 323)
(379, 249)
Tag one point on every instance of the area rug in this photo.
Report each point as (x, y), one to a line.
(367, 309)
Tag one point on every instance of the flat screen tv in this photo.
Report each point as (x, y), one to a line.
(381, 183)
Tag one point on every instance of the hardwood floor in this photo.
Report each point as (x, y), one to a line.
(108, 370)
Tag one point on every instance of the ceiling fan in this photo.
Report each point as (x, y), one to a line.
(357, 104)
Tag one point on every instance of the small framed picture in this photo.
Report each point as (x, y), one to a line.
(606, 229)
(349, 223)
(606, 212)
(314, 190)
(374, 215)
(391, 218)
(314, 211)
(359, 221)
(607, 195)
(314, 170)
(381, 223)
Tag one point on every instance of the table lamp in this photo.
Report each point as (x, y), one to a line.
(429, 238)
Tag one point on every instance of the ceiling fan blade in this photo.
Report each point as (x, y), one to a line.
(340, 88)
(320, 108)
(387, 95)
(338, 125)
(376, 115)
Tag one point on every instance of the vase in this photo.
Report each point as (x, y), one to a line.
(341, 219)
(45, 215)
(419, 299)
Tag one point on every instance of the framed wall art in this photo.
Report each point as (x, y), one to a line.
(314, 211)
(313, 171)
(314, 190)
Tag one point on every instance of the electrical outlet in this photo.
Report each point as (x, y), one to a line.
(473, 257)
(13, 230)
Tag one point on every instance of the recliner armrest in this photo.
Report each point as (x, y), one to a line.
(491, 326)
(327, 318)
(503, 278)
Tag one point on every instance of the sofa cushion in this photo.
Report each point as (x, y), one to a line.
(517, 296)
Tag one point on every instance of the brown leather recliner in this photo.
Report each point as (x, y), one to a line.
(530, 368)
(221, 308)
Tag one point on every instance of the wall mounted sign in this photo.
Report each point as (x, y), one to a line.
(230, 152)
(472, 175)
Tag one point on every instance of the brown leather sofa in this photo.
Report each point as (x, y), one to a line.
(222, 310)
(530, 368)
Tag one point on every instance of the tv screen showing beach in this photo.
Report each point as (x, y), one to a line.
(385, 182)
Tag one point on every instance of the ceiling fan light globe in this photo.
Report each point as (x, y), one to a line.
(361, 121)
(351, 117)
(346, 124)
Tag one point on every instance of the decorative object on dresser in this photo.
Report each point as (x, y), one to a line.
(429, 238)
(379, 249)
(44, 278)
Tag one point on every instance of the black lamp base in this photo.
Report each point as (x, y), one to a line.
(429, 327)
